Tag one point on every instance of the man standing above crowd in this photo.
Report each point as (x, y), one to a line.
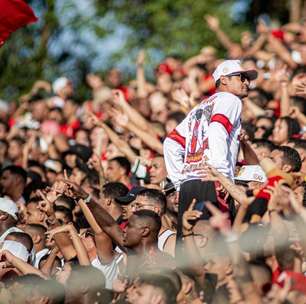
(209, 134)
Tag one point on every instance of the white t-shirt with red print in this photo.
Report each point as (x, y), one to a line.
(209, 133)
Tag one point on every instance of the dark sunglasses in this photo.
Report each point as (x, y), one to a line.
(243, 77)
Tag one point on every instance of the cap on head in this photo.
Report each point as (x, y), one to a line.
(251, 173)
(59, 84)
(229, 67)
(8, 206)
(81, 151)
(125, 200)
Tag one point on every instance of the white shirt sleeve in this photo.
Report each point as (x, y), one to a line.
(226, 113)
(174, 151)
(110, 270)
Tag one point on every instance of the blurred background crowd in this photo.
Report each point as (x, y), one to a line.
(87, 213)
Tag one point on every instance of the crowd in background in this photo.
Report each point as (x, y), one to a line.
(88, 215)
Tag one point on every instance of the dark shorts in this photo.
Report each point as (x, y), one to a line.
(202, 191)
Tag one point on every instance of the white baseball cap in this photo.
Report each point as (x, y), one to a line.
(8, 206)
(251, 173)
(229, 67)
(59, 84)
(53, 165)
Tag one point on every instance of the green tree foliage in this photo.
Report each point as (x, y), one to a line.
(174, 27)
(160, 26)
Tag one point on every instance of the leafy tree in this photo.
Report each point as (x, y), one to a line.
(59, 43)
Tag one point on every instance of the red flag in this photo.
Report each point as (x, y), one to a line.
(14, 14)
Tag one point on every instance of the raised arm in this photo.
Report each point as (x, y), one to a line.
(190, 217)
(208, 173)
(150, 140)
(242, 273)
(89, 217)
(132, 113)
(256, 46)
(46, 269)
(76, 241)
(140, 75)
(122, 145)
(21, 265)
(281, 51)
(214, 24)
(248, 153)
(107, 223)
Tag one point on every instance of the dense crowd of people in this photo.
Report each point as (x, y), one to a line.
(91, 209)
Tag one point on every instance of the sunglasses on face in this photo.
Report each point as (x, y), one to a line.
(243, 77)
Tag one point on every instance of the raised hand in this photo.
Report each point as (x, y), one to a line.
(65, 228)
(141, 57)
(297, 81)
(93, 118)
(243, 136)
(95, 163)
(212, 22)
(281, 75)
(118, 97)
(261, 27)
(190, 215)
(6, 257)
(182, 98)
(295, 112)
(121, 119)
(218, 220)
(45, 205)
(76, 189)
(208, 173)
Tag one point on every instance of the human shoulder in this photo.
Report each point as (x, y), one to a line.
(228, 97)
(227, 102)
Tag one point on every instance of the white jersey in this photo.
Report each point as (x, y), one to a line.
(209, 133)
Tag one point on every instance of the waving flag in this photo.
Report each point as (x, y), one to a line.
(14, 14)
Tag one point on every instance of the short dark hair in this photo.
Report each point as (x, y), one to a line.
(20, 140)
(293, 126)
(67, 199)
(156, 196)
(124, 163)
(177, 116)
(272, 119)
(67, 212)
(298, 143)
(262, 98)
(50, 288)
(152, 216)
(114, 189)
(291, 157)
(35, 163)
(31, 187)
(16, 170)
(218, 83)
(264, 143)
(34, 200)
(163, 282)
(40, 229)
(285, 258)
